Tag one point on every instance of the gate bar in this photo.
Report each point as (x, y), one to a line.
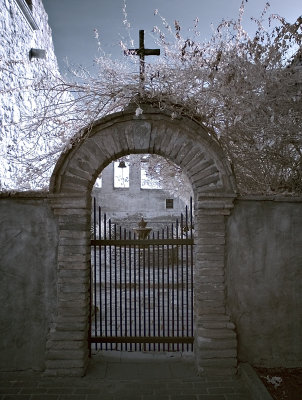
(141, 242)
(141, 339)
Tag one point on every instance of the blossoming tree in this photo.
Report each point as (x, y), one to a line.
(246, 90)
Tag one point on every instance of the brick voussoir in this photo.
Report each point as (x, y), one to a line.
(79, 258)
(54, 372)
(222, 333)
(215, 344)
(69, 336)
(211, 248)
(210, 271)
(65, 354)
(217, 353)
(58, 364)
(65, 345)
(216, 295)
(213, 241)
(73, 287)
(75, 265)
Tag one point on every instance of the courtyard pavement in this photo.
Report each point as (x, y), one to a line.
(118, 376)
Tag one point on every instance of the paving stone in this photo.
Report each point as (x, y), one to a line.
(44, 397)
(221, 390)
(60, 390)
(178, 370)
(100, 397)
(33, 390)
(81, 391)
(9, 390)
(133, 379)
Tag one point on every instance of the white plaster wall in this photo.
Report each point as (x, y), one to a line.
(17, 75)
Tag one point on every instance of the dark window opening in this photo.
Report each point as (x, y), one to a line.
(30, 4)
(169, 203)
(26, 7)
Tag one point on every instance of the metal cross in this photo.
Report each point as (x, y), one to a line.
(142, 52)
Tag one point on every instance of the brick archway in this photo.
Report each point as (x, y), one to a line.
(188, 145)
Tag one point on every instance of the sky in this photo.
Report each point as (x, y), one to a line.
(73, 22)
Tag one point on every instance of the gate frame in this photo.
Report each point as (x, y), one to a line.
(188, 145)
(163, 240)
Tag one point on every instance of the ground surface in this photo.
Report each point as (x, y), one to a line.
(109, 378)
(282, 383)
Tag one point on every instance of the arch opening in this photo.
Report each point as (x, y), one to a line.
(142, 276)
(188, 145)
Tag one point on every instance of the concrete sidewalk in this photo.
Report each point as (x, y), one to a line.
(118, 376)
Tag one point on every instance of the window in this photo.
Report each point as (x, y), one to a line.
(121, 174)
(149, 175)
(30, 4)
(98, 182)
(169, 203)
(26, 7)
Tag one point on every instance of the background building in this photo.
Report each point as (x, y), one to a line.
(26, 57)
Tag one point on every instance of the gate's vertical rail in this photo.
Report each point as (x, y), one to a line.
(135, 292)
(100, 313)
(149, 294)
(163, 290)
(110, 281)
(187, 276)
(115, 286)
(124, 264)
(144, 293)
(139, 296)
(182, 279)
(154, 307)
(130, 289)
(158, 291)
(168, 287)
(121, 291)
(192, 278)
(173, 300)
(177, 284)
(94, 302)
(105, 277)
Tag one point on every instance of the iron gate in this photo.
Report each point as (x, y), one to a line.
(141, 285)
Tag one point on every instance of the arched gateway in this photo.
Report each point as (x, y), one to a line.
(189, 146)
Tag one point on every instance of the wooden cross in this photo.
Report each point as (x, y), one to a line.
(142, 52)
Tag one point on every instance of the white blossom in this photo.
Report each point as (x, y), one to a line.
(138, 111)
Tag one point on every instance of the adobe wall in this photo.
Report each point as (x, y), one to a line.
(28, 257)
(264, 280)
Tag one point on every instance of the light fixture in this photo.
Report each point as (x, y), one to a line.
(122, 164)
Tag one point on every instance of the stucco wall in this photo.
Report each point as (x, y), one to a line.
(28, 251)
(18, 76)
(264, 264)
(264, 268)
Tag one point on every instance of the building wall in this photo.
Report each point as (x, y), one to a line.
(28, 247)
(126, 206)
(18, 75)
(263, 276)
(264, 271)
